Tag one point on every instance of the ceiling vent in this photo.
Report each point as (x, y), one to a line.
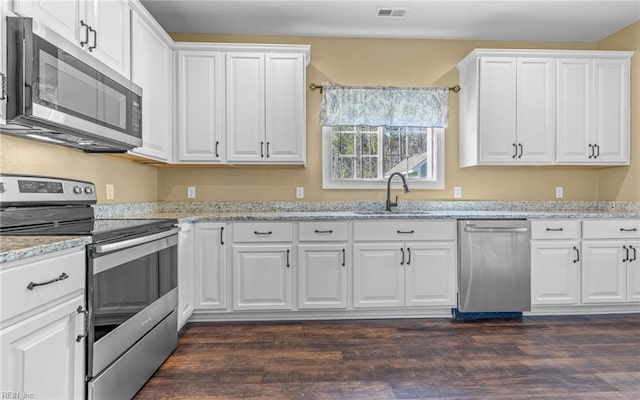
(385, 12)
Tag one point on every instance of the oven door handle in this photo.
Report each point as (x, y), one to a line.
(107, 248)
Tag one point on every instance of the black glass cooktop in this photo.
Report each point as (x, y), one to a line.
(99, 229)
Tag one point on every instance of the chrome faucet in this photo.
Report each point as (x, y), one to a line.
(404, 185)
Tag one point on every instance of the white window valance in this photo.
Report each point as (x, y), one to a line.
(384, 106)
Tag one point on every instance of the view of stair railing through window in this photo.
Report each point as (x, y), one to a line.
(374, 153)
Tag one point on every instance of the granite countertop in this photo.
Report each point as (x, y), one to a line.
(19, 247)
(14, 248)
(188, 217)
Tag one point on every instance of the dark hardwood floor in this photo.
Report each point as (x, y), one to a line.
(585, 357)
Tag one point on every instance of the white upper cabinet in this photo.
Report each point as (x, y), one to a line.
(285, 130)
(151, 70)
(541, 107)
(102, 27)
(593, 111)
(266, 120)
(241, 103)
(201, 106)
(245, 107)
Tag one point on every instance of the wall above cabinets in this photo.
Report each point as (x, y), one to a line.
(544, 107)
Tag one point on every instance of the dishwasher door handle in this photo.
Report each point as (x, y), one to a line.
(495, 229)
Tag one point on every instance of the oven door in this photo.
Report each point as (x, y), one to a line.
(132, 286)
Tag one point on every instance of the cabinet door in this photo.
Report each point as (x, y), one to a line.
(604, 272)
(40, 355)
(211, 266)
(186, 274)
(430, 274)
(245, 85)
(378, 275)
(611, 110)
(633, 272)
(536, 110)
(111, 21)
(322, 276)
(201, 106)
(63, 16)
(285, 108)
(574, 97)
(497, 110)
(555, 272)
(262, 277)
(151, 70)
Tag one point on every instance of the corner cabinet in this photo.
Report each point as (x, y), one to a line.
(151, 69)
(544, 107)
(201, 105)
(266, 108)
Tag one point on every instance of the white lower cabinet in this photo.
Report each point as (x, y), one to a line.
(555, 272)
(610, 263)
(322, 276)
(604, 271)
(186, 274)
(42, 327)
(555, 262)
(41, 357)
(262, 277)
(378, 275)
(397, 273)
(262, 263)
(430, 274)
(210, 266)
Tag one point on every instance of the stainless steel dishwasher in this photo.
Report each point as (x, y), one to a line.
(494, 270)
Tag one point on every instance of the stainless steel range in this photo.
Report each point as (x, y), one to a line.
(131, 277)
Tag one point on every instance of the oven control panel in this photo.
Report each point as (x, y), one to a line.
(40, 190)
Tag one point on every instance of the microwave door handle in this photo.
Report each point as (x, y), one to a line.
(105, 248)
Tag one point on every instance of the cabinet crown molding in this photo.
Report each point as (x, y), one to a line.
(545, 53)
(246, 48)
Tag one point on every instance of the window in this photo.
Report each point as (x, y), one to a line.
(363, 157)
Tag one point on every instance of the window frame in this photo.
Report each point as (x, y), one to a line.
(437, 184)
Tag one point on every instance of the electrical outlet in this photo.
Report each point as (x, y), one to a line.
(299, 192)
(191, 192)
(110, 191)
(457, 192)
(559, 192)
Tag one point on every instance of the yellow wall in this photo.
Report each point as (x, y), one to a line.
(355, 62)
(623, 183)
(132, 182)
(379, 62)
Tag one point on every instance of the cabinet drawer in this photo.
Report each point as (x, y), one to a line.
(263, 232)
(611, 229)
(555, 229)
(404, 230)
(18, 299)
(323, 231)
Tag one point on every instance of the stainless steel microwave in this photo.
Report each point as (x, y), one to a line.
(58, 93)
